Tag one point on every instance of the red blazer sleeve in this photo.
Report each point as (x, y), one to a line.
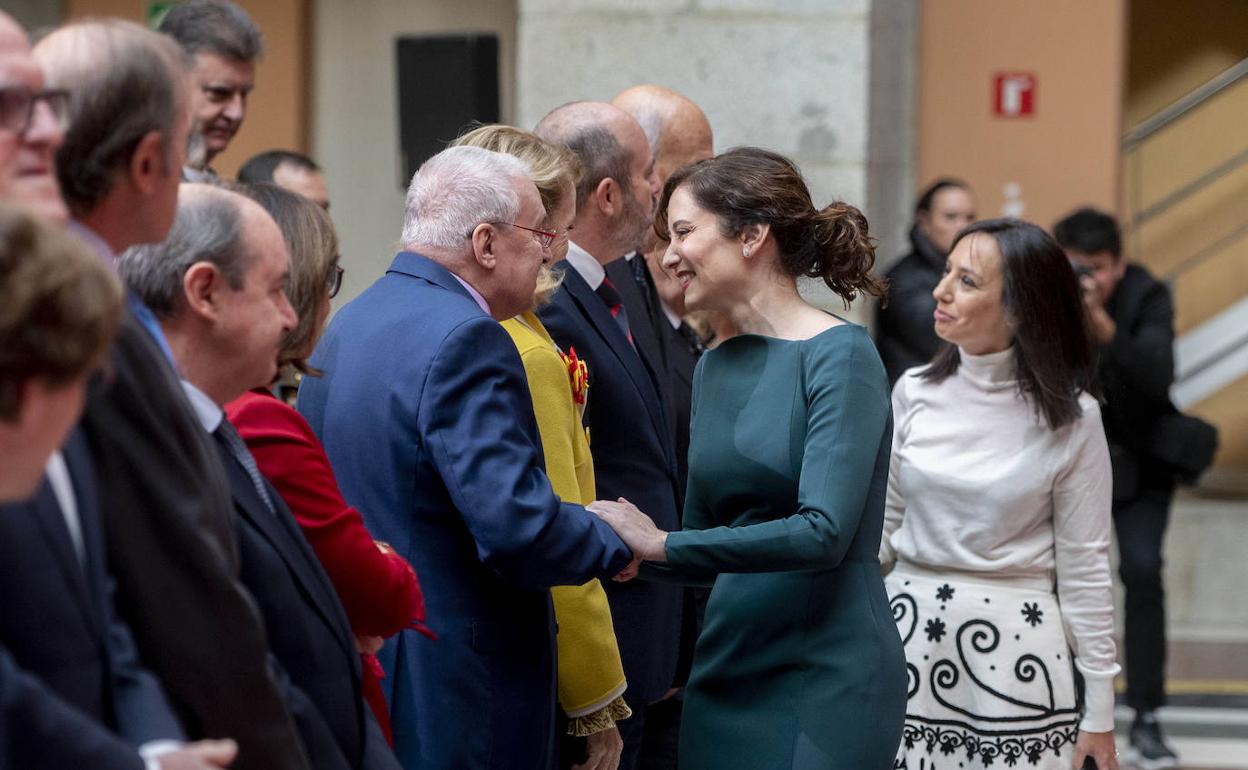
(379, 591)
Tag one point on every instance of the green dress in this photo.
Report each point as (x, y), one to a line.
(799, 664)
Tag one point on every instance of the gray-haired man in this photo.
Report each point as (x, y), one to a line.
(225, 44)
(166, 511)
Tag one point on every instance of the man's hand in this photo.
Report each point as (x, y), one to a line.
(603, 750)
(201, 755)
(1100, 324)
(368, 645)
(635, 528)
(629, 572)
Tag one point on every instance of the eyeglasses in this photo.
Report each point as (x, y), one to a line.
(544, 237)
(334, 283)
(17, 107)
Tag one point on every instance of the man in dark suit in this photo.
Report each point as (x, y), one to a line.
(628, 424)
(426, 416)
(56, 610)
(679, 135)
(217, 284)
(165, 503)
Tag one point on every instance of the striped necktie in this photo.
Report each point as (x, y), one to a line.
(610, 297)
(238, 448)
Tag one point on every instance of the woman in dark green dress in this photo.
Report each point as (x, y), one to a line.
(799, 664)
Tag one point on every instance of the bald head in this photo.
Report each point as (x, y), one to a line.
(615, 197)
(27, 157)
(677, 129)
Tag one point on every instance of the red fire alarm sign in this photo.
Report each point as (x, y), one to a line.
(1013, 94)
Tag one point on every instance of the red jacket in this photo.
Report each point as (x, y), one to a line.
(379, 591)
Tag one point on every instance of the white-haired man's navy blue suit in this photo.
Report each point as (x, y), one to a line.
(425, 412)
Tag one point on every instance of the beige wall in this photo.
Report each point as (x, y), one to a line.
(277, 113)
(1067, 153)
(355, 112)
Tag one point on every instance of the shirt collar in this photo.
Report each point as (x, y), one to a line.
(476, 295)
(209, 414)
(584, 263)
(97, 244)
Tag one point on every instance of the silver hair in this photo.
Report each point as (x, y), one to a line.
(456, 190)
(207, 228)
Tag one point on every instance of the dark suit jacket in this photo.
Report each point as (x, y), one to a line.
(39, 731)
(57, 617)
(633, 458)
(168, 528)
(307, 627)
(425, 413)
(1137, 370)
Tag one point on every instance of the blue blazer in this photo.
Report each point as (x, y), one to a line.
(633, 458)
(425, 413)
(57, 618)
(308, 631)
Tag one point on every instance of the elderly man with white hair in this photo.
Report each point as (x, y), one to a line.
(425, 413)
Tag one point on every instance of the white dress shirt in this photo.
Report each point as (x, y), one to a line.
(584, 263)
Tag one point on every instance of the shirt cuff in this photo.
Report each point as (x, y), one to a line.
(1098, 706)
(151, 750)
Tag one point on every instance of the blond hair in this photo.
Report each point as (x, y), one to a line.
(553, 168)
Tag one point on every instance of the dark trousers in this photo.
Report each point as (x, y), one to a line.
(1140, 524)
(650, 736)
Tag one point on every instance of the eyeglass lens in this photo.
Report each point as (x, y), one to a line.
(17, 107)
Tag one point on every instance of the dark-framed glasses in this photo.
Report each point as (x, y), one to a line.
(334, 282)
(17, 106)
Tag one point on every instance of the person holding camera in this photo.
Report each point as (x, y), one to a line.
(1131, 317)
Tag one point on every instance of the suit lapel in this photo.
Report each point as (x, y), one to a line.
(50, 521)
(589, 306)
(78, 460)
(281, 531)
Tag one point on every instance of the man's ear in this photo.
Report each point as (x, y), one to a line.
(485, 245)
(607, 196)
(148, 164)
(202, 285)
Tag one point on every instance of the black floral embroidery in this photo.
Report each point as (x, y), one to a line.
(1032, 613)
(944, 593)
(935, 629)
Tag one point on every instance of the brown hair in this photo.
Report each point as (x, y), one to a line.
(313, 246)
(59, 307)
(752, 186)
(551, 167)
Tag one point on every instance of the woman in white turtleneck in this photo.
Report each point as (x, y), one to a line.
(997, 523)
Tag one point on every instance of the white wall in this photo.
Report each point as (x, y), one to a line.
(355, 112)
(789, 75)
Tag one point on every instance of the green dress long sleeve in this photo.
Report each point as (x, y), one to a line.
(799, 664)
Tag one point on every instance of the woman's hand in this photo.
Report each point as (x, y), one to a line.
(635, 528)
(603, 750)
(1099, 746)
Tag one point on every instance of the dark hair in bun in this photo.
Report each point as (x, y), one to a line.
(752, 186)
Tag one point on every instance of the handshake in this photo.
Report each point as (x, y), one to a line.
(636, 529)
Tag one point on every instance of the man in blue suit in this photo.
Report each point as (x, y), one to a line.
(626, 414)
(425, 413)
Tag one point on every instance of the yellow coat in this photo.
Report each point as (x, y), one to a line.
(590, 674)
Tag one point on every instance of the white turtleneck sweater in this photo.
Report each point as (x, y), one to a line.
(980, 484)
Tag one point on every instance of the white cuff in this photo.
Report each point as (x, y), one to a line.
(151, 750)
(1098, 706)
